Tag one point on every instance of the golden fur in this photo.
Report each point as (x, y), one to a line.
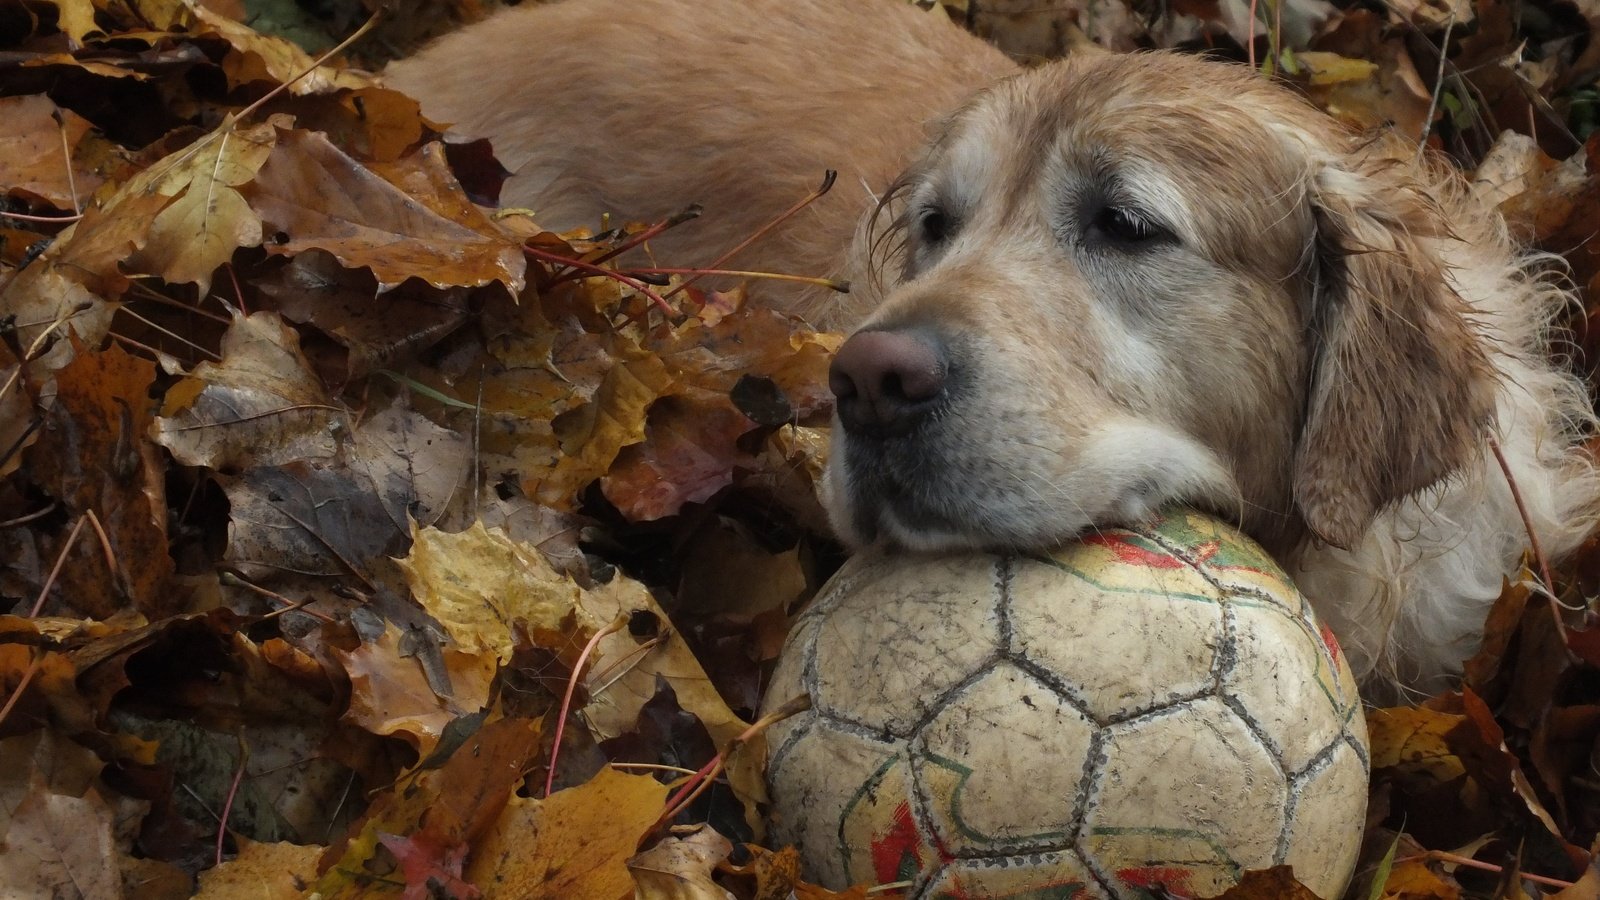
(1305, 330)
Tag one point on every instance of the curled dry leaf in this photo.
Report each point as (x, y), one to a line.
(261, 405)
(680, 867)
(313, 195)
(574, 843)
(264, 57)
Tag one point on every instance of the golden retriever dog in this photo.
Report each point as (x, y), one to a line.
(1108, 284)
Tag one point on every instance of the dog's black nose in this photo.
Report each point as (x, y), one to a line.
(884, 381)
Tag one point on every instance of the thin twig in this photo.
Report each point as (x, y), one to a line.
(828, 179)
(55, 572)
(648, 234)
(1469, 862)
(1438, 88)
(47, 220)
(233, 789)
(66, 154)
(232, 579)
(617, 624)
(1533, 537)
(708, 773)
(842, 287)
(546, 256)
(105, 542)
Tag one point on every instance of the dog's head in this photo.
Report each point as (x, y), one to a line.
(1124, 281)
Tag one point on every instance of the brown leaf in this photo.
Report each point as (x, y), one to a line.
(34, 148)
(680, 867)
(572, 844)
(453, 805)
(313, 195)
(375, 330)
(689, 453)
(261, 405)
(60, 846)
(391, 694)
(92, 454)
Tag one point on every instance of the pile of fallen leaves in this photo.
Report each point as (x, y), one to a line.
(358, 539)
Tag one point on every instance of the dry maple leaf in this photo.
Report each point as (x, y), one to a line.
(207, 219)
(315, 196)
(574, 843)
(93, 457)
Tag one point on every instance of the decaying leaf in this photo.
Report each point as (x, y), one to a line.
(261, 405)
(679, 867)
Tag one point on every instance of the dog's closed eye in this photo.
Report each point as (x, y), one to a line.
(1125, 228)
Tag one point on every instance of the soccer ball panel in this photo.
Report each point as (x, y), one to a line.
(1005, 730)
(1224, 812)
(889, 650)
(1322, 847)
(847, 800)
(1282, 680)
(1120, 644)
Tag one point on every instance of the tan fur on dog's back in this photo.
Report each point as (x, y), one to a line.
(712, 108)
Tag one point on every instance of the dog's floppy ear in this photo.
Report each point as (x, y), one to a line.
(1402, 389)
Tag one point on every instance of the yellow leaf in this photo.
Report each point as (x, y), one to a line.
(261, 871)
(478, 582)
(1331, 68)
(575, 843)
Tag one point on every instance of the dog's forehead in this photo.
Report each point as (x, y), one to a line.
(1199, 122)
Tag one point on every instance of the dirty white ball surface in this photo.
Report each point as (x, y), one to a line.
(1155, 706)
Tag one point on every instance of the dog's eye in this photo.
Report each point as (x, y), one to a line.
(934, 225)
(1127, 227)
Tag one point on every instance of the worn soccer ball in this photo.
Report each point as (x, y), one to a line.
(1147, 707)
